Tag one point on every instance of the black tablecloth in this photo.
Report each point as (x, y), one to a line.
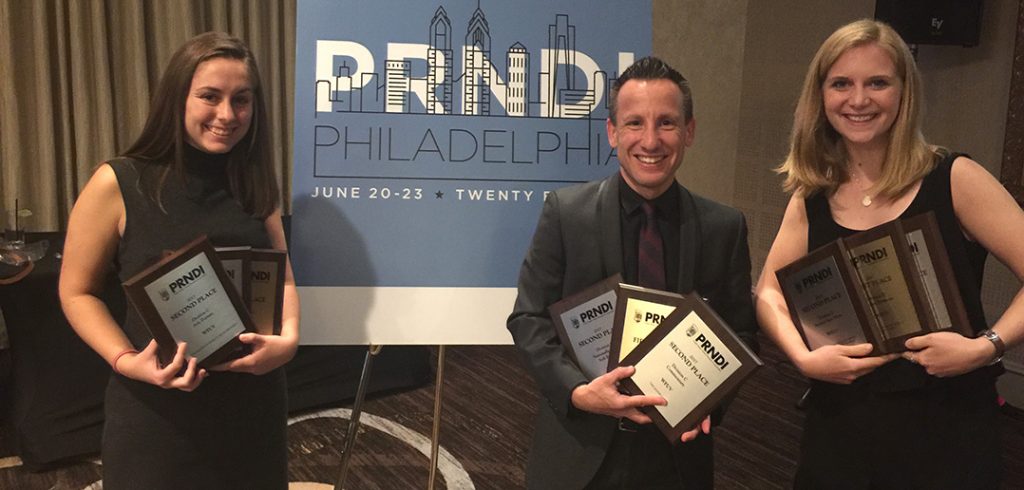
(56, 405)
(53, 397)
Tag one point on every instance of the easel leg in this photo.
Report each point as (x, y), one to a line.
(357, 409)
(436, 436)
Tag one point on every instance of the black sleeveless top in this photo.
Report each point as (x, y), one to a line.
(205, 439)
(196, 203)
(966, 257)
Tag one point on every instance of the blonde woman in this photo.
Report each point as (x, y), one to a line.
(927, 418)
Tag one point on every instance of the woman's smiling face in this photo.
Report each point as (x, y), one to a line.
(218, 110)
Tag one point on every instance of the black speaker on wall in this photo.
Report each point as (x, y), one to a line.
(956, 22)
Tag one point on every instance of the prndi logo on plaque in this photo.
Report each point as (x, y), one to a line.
(591, 313)
(637, 313)
(692, 359)
(187, 297)
(882, 285)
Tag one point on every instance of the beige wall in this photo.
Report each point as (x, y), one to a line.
(705, 41)
(746, 60)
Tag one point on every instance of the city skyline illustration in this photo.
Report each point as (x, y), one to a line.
(557, 89)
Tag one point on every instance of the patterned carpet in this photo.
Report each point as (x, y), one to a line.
(488, 407)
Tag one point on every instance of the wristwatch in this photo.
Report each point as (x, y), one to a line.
(997, 341)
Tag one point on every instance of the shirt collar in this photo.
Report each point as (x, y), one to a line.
(667, 203)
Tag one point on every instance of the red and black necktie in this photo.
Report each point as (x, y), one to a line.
(651, 251)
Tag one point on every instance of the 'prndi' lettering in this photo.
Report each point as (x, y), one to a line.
(596, 312)
(816, 277)
(186, 279)
(709, 348)
(869, 257)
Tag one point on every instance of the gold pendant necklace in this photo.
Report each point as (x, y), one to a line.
(865, 201)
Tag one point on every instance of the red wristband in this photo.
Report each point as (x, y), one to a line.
(118, 358)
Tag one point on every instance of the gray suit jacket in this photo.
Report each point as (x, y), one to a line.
(578, 242)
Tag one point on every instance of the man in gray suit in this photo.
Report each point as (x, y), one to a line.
(587, 434)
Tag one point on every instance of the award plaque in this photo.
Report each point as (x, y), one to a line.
(266, 289)
(693, 360)
(891, 282)
(583, 322)
(936, 273)
(638, 311)
(188, 297)
(235, 261)
(883, 286)
(824, 297)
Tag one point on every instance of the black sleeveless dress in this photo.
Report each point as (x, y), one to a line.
(230, 432)
(899, 427)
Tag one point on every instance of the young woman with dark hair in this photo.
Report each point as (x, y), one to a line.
(200, 166)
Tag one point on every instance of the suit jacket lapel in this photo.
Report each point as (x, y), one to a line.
(689, 241)
(609, 226)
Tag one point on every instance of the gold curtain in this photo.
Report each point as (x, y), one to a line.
(76, 78)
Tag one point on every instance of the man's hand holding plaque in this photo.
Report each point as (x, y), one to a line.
(693, 360)
(602, 396)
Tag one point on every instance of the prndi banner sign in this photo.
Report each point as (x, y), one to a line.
(427, 135)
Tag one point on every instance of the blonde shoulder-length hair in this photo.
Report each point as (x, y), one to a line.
(817, 156)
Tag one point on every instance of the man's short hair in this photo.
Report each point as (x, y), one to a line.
(651, 68)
